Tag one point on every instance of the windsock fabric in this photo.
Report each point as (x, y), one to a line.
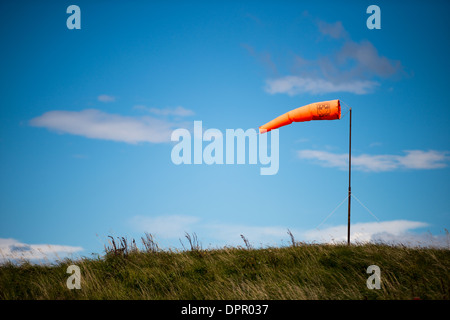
(325, 110)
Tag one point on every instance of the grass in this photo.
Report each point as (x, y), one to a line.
(298, 271)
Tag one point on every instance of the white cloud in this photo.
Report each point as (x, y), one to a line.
(363, 232)
(389, 232)
(418, 159)
(96, 124)
(219, 234)
(414, 159)
(106, 98)
(13, 250)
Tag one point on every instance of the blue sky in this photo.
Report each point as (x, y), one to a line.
(86, 118)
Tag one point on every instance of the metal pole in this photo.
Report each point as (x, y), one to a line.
(349, 176)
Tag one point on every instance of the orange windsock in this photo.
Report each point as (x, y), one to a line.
(325, 110)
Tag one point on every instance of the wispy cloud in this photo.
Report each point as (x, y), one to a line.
(175, 226)
(356, 67)
(413, 159)
(80, 156)
(96, 124)
(169, 111)
(293, 85)
(375, 144)
(16, 251)
(334, 30)
(106, 98)
(360, 60)
(170, 226)
(265, 58)
(230, 234)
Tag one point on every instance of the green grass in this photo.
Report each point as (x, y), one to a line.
(300, 271)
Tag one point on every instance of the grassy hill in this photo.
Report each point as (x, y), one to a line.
(300, 271)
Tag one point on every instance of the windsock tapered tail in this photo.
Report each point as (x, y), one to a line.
(325, 110)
